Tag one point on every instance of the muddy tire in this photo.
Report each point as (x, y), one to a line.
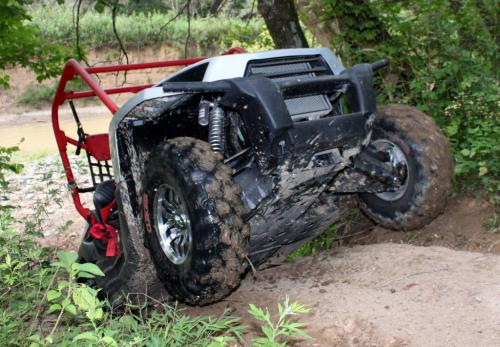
(429, 168)
(193, 219)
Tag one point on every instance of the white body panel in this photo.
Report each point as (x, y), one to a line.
(234, 65)
(219, 68)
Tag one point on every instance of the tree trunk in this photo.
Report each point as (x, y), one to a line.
(283, 23)
(323, 27)
(216, 6)
(327, 19)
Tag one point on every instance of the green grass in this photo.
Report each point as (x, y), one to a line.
(39, 95)
(324, 241)
(139, 29)
(28, 157)
(329, 238)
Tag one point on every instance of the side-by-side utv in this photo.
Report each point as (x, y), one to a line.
(238, 158)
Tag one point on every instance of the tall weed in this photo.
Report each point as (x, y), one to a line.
(141, 29)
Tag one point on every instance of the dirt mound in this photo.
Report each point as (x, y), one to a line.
(384, 295)
(388, 294)
(460, 227)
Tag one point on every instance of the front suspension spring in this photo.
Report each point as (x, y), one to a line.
(216, 129)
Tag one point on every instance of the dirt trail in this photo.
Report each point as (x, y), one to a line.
(460, 227)
(377, 293)
(384, 295)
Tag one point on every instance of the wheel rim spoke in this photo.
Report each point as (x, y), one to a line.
(398, 160)
(173, 227)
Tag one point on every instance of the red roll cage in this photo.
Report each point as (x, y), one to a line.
(97, 146)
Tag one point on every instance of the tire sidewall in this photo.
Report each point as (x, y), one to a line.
(181, 182)
(219, 235)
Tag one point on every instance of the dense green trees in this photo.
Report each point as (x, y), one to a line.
(444, 60)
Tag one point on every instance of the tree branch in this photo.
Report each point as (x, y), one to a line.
(250, 16)
(216, 6)
(81, 56)
(176, 16)
(120, 43)
(188, 12)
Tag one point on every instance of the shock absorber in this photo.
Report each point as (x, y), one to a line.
(216, 136)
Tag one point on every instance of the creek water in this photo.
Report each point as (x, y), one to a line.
(39, 136)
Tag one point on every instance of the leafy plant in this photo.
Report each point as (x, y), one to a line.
(443, 58)
(139, 29)
(283, 327)
(22, 45)
(6, 164)
(70, 296)
(24, 272)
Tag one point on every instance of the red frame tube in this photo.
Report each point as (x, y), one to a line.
(72, 69)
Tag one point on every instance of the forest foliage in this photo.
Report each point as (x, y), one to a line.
(138, 29)
(444, 60)
(21, 44)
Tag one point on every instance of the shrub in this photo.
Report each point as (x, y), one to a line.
(443, 60)
(37, 95)
(140, 29)
(6, 164)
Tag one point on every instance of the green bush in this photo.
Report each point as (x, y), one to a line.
(6, 164)
(39, 95)
(444, 60)
(141, 29)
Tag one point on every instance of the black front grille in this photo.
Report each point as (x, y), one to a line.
(281, 69)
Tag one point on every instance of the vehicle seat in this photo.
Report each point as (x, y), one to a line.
(104, 195)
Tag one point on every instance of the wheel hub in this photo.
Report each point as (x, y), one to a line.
(173, 227)
(397, 159)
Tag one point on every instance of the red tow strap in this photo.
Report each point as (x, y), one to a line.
(105, 232)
